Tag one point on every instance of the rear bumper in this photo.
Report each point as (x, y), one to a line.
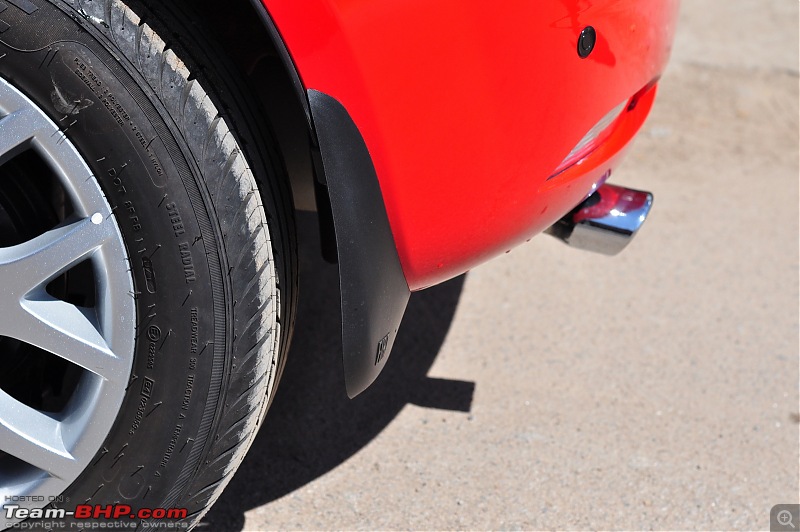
(467, 112)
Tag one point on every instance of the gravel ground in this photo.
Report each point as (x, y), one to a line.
(553, 388)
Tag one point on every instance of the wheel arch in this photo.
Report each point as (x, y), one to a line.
(332, 173)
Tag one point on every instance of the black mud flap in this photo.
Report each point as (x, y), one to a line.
(374, 291)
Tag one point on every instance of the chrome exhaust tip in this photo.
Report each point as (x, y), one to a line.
(606, 221)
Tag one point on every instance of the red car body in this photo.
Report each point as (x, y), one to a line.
(469, 109)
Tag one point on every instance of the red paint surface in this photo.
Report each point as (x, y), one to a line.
(467, 108)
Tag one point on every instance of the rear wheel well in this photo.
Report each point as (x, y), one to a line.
(373, 288)
(241, 28)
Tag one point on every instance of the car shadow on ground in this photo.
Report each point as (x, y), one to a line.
(312, 426)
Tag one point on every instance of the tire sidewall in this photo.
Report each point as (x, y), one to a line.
(149, 178)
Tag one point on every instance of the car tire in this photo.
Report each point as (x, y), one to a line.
(198, 266)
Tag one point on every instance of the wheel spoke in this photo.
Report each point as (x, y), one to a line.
(68, 332)
(33, 316)
(33, 437)
(33, 263)
(16, 129)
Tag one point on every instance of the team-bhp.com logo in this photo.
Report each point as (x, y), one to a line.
(115, 512)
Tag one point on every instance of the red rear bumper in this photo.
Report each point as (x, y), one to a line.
(468, 108)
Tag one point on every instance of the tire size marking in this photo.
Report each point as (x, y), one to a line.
(118, 113)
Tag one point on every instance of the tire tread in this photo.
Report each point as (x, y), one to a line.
(233, 189)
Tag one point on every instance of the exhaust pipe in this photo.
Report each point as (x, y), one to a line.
(606, 221)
